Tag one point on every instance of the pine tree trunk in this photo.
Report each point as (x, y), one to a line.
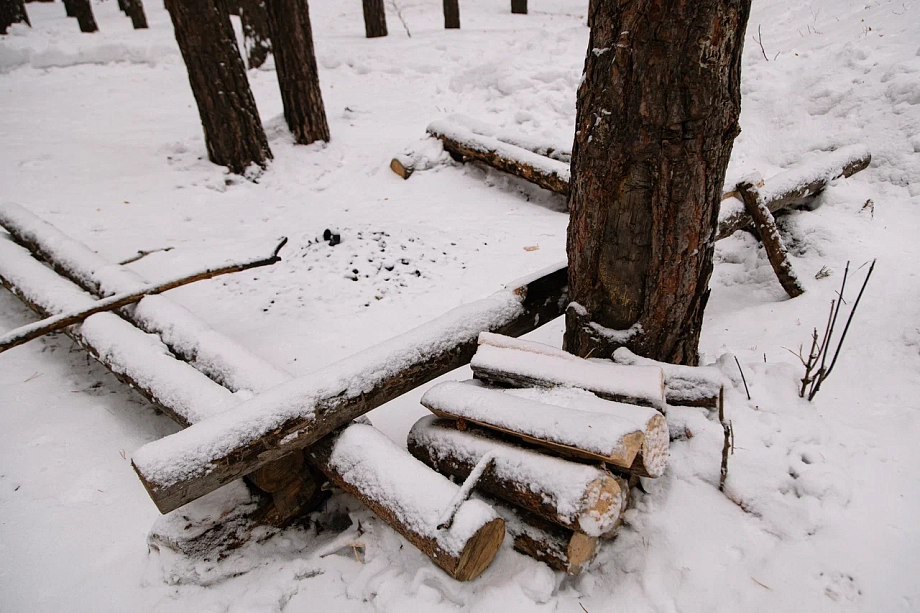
(295, 63)
(519, 7)
(592, 7)
(135, 10)
(255, 31)
(69, 8)
(657, 114)
(83, 11)
(123, 6)
(375, 18)
(451, 14)
(12, 11)
(232, 129)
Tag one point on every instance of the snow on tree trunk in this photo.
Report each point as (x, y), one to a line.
(375, 18)
(232, 129)
(657, 114)
(257, 41)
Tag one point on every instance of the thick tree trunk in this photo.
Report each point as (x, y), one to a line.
(592, 6)
(657, 115)
(452, 14)
(69, 8)
(83, 11)
(135, 10)
(375, 18)
(254, 17)
(232, 129)
(295, 63)
(519, 7)
(13, 11)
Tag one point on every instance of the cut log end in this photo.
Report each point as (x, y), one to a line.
(653, 455)
(480, 550)
(402, 169)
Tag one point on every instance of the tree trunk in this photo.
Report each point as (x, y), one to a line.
(12, 11)
(83, 11)
(232, 129)
(135, 10)
(69, 8)
(592, 6)
(519, 7)
(657, 114)
(295, 63)
(451, 14)
(255, 31)
(375, 18)
(123, 6)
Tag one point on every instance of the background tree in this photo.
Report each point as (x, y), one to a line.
(452, 14)
(233, 131)
(519, 7)
(295, 65)
(12, 11)
(657, 114)
(375, 18)
(256, 40)
(83, 11)
(135, 10)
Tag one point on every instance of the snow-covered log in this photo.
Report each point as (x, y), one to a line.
(576, 496)
(557, 547)
(34, 330)
(690, 386)
(642, 385)
(571, 432)
(652, 458)
(410, 498)
(189, 464)
(187, 336)
(459, 141)
(794, 186)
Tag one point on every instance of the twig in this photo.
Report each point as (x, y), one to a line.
(743, 380)
(728, 444)
(447, 518)
(759, 41)
(398, 10)
(142, 254)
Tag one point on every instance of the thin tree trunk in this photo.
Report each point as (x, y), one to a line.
(135, 10)
(295, 63)
(255, 31)
(451, 14)
(233, 131)
(83, 11)
(519, 7)
(375, 18)
(69, 8)
(657, 114)
(123, 6)
(12, 11)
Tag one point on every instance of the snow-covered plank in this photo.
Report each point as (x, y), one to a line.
(573, 432)
(411, 498)
(694, 386)
(187, 336)
(642, 385)
(189, 464)
(559, 152)
(577, 496)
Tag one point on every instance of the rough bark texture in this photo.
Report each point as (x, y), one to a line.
(452, 14)
(295, 64)
(519, 7)
(83, 11)
(256, 39)
(135, 10)
(232, 129)
(657, 114)
(375, 18)
(12, 11)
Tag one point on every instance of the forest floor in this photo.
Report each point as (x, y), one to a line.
(100, 136)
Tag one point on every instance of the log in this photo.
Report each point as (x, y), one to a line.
(37, 329)
(769, 235)
(570, 432)
(409, 497)
(557, 547)
(575, 496)
(795, 186)
(642, 385)
(189, 464)
(467, 145)
(652, 458)
(689, 386)
(188, 337)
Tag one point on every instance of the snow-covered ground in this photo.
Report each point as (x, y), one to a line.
(100, 136)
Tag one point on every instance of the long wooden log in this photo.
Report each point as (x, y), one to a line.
(410, 498)
(189, 464)
(557, 547)
(769, 235)
(37, 329)
(545, 172)
(576, 496)
(689, 386)
(642, 385)
(570, 432)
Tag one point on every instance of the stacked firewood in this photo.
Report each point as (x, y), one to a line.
(551, 440)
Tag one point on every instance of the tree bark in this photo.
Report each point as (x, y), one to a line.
(233, 131)
(135, 10)
(12, 11)
(69, 8)
(519, 7)
(257, 41)
(375, 18)
(83, 11)
(657, 114)
(452, 14)
(295, 64)
(123, 6)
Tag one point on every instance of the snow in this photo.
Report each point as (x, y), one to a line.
(642, 384)
(583, 430)
(830, 487)
(682, 384)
